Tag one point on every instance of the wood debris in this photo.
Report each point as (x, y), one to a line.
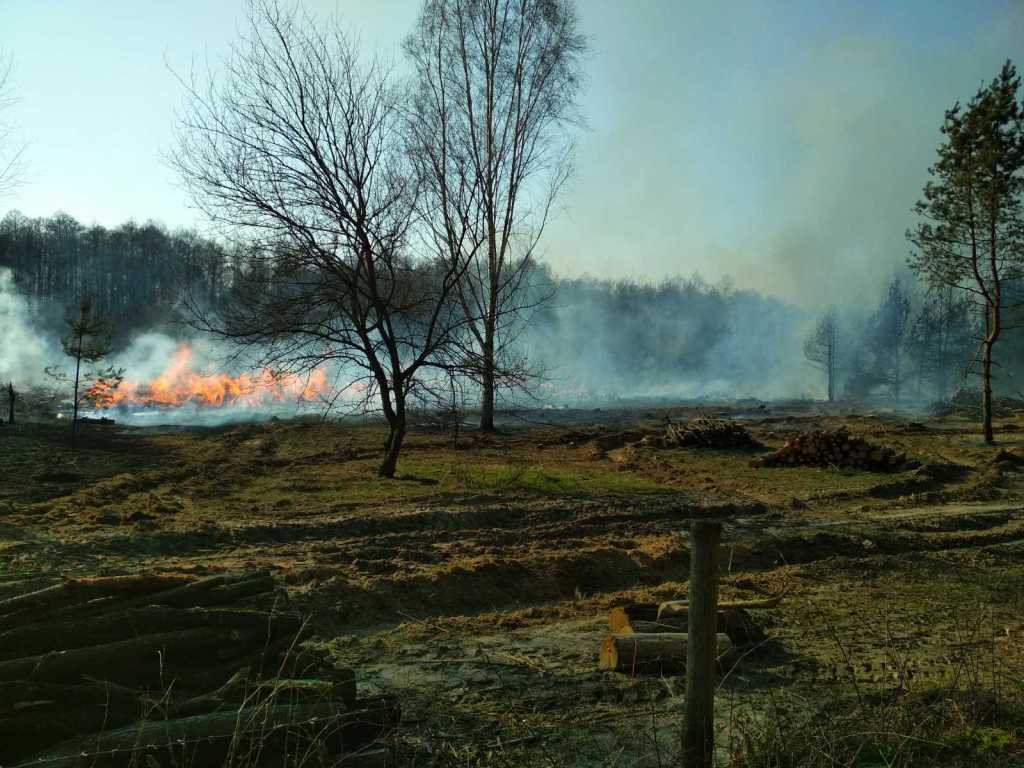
(168, 667)
(837, 447)
(705, 432)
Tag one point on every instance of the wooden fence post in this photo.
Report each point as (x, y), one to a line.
(701, 646)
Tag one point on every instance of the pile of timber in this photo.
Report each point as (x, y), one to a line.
(651, 637)
(705, 432)
(836, 447)
(128, 670)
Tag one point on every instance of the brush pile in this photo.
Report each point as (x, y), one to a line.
(836, 447)
(967, 403)
(704, 432)
(170, 669)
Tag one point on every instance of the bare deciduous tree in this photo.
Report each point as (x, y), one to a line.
(941, 339)
(495, 88)
(888, 336)
(971, 234)
(821, 348)
(299, 147)
(11, 154)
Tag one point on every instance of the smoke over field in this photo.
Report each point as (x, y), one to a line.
(24, 350)
(680, 338)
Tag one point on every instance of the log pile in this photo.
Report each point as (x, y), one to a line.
(651, 637)
(704, 432)
(173, 669)
(836, 447)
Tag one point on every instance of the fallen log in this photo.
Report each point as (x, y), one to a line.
(242, 687)
(73, 592)
(269, 660)
(651, 627)
(624, 616)
(35, 715)
(36, 639)
(190, 594)
(659, 652)
(207, 739)
(240, 590)
(672, 608)
(734, 622)
(23, 696)
(147, 660)
(198, 593)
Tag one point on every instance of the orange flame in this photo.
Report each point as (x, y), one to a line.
(180, 384)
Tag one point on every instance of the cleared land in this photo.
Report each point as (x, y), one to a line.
(476, 585)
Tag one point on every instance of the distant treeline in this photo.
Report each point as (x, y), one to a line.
(135, 272)
(593, 337)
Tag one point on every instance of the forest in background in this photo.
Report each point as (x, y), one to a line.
(590, 339)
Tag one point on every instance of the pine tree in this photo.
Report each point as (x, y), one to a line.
(88, 340)
(971, 233)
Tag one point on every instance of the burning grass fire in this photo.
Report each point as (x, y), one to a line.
(181, 384)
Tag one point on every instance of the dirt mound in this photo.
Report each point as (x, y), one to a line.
(704, 432)
(837, 447)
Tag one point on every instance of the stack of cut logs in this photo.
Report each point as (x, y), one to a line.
(652, 637)
(171, 669)
(837, 447)
(705, 432)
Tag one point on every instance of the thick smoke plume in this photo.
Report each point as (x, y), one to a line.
(24, 352)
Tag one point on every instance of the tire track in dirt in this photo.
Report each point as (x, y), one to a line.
(430, 561)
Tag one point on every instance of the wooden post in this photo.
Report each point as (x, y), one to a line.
(701, 647)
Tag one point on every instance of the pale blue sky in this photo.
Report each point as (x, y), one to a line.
(780, 142)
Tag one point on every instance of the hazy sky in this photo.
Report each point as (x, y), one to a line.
(780, 142)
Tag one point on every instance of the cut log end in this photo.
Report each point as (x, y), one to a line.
(647, 652)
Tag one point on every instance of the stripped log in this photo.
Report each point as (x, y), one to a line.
(673, 608)
(188, 593)
(72, 592)
(36, 639)
(736, 623)
(227, 594)
(651, 627)
(146, 660)
(212, 590)
(657, 652)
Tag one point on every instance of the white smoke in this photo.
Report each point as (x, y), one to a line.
(24, 351)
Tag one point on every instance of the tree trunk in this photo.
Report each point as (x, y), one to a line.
(11, 396)
(393, 445)
(74, 417)
(986, 390)
(487, 398)
(831, 371)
